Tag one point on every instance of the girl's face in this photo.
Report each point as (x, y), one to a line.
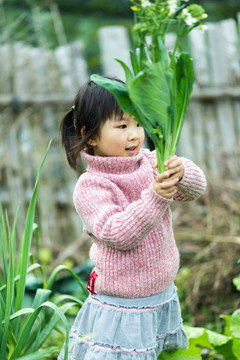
(119, 138)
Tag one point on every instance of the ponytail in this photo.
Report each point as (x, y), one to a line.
(71, 141)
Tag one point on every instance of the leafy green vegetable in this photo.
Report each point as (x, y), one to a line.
(158, 88)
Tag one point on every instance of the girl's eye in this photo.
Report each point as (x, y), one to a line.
(122, 126)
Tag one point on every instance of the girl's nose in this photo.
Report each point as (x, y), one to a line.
(133, 134)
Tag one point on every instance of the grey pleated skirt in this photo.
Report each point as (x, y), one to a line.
(112, 328)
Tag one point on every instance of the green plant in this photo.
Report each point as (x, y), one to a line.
(158, 89)
(23, 331)
(236, 280)
(226, 345)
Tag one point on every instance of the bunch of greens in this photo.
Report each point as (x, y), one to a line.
(158, 88)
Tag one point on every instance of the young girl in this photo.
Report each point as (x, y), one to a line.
(132, 312)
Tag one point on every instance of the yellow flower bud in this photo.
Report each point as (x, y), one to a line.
(134, 8)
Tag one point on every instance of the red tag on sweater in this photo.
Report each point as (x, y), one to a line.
(91, 281)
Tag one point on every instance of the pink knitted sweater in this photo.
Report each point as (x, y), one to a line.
(133, 251)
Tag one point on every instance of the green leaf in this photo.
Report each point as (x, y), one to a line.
(47, 325)
(227, 318)
(1, 320)
(10, 287)
(135, 65)
(119, 91)
(40, 296)
(3, 239)
(217, 339)
(40, 355)
(162, 52)
(236, 282)
(185, 80)
(127, 71)
(36, 230)
(235, 324)
(226, 350)
(236, 349)
(192, 353)
(149, 92)
(198, 336)
(205, 338)
(60, 268)
(184, 84)
(194, 332)
(27, 238)
(63, 298)
(144, 55)
(32, 267)
(22, 341)
(21, 312)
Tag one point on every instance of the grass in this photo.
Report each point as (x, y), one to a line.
(24, 330)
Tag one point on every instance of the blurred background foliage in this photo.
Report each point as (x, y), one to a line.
(217, 9)
(81, 20)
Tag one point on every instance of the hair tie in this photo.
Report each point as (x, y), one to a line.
(74, 119)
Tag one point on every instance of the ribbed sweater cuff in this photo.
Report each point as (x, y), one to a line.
(193, 182)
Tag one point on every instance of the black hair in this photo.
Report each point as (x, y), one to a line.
(93, 105)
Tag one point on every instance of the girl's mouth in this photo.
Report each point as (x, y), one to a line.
(131, 149)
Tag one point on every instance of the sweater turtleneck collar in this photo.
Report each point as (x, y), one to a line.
(112, 165)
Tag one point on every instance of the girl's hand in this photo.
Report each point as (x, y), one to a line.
(165, 184)
(175, 167)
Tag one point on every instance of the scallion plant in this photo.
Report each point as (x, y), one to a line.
(159, 85)
(23, 331)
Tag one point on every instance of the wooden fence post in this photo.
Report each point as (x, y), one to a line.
(114, 43)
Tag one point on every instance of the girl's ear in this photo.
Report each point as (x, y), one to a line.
(91, 141)
(83, 131)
